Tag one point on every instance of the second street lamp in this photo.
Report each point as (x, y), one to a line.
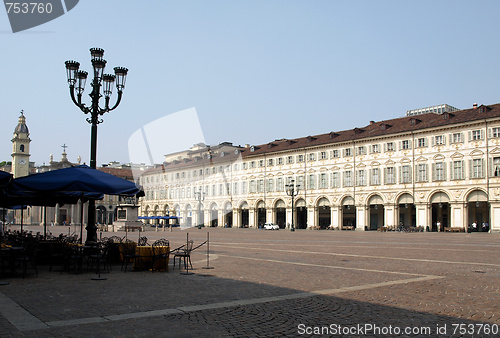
(76, 81)
(292, 190)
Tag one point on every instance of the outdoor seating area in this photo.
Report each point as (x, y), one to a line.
(22, 253)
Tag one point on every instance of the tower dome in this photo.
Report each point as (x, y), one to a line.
(21, 125)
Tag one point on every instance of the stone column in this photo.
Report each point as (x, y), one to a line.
(56, 216)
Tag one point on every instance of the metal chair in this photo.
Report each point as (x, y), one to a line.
(128, 253)
(143, 241)
(161, 251)
(184, 252)
(28, 256)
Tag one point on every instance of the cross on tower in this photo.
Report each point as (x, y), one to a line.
(64, 146)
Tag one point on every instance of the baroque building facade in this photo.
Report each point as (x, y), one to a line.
(434, 171)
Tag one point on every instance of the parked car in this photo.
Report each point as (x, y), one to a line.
(271, 226)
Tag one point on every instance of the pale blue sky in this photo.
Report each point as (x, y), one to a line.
(254, 70)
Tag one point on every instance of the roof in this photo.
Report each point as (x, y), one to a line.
(21, 125)
(402, 125)
(118, 172)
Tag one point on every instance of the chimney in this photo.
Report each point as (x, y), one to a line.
(474, 106)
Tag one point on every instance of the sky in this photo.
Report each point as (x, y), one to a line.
(254, 71)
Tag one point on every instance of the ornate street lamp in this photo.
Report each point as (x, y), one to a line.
(292, 190)
(200, 197)
(76, 81)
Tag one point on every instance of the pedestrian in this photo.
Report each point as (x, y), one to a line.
(474, 226)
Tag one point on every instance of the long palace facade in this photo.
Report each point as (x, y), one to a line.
(436, 171)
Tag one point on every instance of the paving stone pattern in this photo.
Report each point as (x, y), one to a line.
(273, 284)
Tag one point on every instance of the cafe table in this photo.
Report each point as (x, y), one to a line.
(145, 258)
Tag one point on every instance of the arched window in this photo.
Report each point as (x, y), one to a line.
(22, 148)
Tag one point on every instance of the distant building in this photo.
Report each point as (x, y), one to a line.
(439, 109)
(438, 171)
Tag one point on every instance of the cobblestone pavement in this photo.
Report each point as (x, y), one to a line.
(274, 284)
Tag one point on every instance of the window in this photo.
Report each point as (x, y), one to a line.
(252, 187)
(300, 182)
(347, 178)
(323, 181)
(476, 169)
(336, 180)
(289, 160)
(270, 162)
(421, 142)
(390, 175)
(260, 185)
(335, 154)
(347, 152)
(421, 172)
(457, 138)
(300, 158)
(245, 166)
(375, 148)
(361, 150)
(496, 167)
(252, 164)
(322, 155)
(389, 146)
(261, 163)
(312, 157)
(214, 170)
(405, 144)
(405, 174)
(439, 172)
(375, 176)
(244, 186)
(213, 190)
(280, 160)
(361, 177)
(312, 182)
(235, 188)
(270, 184)
(475, 135)
(439, 140)
(495, 132)
(279, 184)
(457, 170)
(236, 167)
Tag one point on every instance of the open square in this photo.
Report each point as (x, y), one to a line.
(275, 283)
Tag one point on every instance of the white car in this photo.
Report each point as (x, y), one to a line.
(271, 226)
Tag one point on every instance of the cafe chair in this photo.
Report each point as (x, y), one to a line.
(128, 253)
(184, 253)
(143, 241)
(99, 257)
(28, 256)
(161, 252)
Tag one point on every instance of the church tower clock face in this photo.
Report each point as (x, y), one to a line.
(22, 161)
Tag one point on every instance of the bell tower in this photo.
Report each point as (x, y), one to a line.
(21, 149)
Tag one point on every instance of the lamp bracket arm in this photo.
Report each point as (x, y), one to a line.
(118, 100)
(78, 103)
